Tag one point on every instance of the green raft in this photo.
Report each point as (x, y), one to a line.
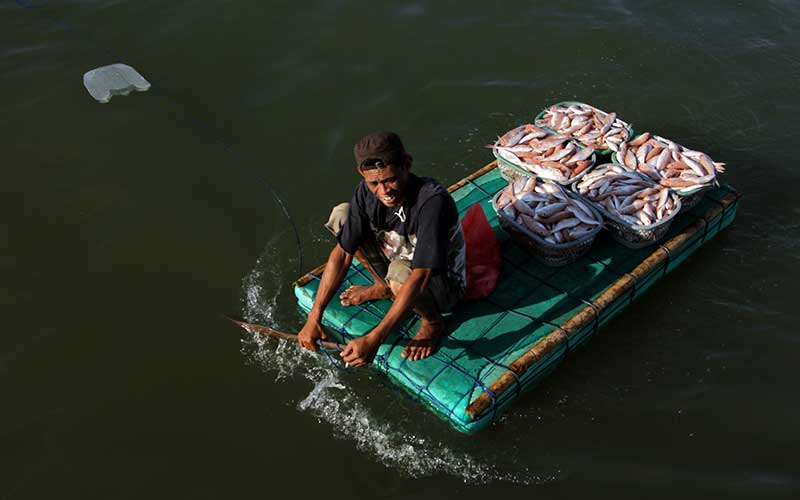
(501, 346)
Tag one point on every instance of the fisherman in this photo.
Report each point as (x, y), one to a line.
(405, 230)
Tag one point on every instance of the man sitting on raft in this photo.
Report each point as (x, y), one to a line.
(405, 230)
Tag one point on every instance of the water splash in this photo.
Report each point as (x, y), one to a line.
(334, 401)
(414, 456)
(261, 288)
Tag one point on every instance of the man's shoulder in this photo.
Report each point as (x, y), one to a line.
(431, 183)
(360, 187)
(435, 200)
(431, 188)
(361, 195)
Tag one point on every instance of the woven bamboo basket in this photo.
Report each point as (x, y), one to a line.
(511, 171)
(689, 197)
(633, 235)
(551, 254)
(628, 126)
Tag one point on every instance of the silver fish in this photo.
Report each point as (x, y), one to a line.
(544, 211)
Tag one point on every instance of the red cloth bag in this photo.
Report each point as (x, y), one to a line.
(482, 252)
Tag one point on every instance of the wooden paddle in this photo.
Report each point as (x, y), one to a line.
(271, 332)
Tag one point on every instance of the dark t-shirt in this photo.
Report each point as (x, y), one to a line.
(425, 230)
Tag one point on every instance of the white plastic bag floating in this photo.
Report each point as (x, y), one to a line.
(115, 79)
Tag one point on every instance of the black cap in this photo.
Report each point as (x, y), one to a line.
(384, 146)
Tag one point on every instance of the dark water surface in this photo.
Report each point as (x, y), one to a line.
(129, 228)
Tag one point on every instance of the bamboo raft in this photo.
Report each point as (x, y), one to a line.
(503, 345)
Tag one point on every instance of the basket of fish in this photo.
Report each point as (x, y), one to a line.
(554, 224)
(689, 173)
(528, 150)
(638, 211)
(587, 124)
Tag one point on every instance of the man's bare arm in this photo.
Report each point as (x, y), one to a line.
(335, 271)
(404, 301)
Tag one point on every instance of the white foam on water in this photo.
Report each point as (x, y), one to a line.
(414, 456)
(333, 401)
(259, 303)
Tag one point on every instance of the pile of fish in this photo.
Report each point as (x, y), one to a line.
(668, 163)
(627, 195)
(544, 209)
(547, 155)
(587, 124)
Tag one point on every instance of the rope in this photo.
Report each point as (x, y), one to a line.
(666, 262)
(559, 289)
(335, 361)
(476, 186)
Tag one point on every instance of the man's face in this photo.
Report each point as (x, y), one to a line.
(388, 184)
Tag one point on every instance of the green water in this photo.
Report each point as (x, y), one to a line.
(129, 228)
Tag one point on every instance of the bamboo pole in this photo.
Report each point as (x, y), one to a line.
(474, 175)
(267, 331)
(588, 313)
(306, 278)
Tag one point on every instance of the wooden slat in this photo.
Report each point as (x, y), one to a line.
(474, 175)
(304, 279)
(589, 313)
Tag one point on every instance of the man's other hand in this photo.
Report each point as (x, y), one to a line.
(308, 336)
(360, 351)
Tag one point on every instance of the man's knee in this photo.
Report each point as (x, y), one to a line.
(337, 218)
(396, 275)
(398, 272)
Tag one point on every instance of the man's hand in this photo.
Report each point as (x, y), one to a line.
(360, 351)
(311, 332)
(335, 269)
